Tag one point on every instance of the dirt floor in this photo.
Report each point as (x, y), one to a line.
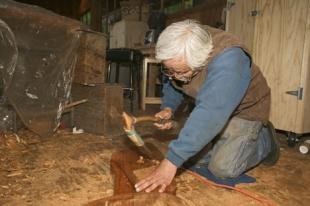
(74, 169)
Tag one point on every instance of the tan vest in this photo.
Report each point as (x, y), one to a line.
(255, 105)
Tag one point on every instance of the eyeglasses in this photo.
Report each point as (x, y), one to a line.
(178, 75)
(167, 72)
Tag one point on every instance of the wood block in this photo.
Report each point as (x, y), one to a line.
(91, 64)
(101, 114)
(94, 41)
(90, 68)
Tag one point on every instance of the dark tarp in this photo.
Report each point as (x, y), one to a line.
(39, 86)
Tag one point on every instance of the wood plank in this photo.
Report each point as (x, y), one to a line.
(303, 118)
(240, 22)
(128, 167)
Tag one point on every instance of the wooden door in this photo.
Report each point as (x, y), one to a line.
(240, 20)
(278, 35)
(279, 40)
(303, 117)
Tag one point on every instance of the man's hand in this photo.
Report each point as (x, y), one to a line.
(165, 114)
(161, 177)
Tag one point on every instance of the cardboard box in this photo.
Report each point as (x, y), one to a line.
(128, 34)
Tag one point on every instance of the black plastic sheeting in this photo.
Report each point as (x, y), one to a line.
(37, 59)
(8, 54)
(8, 59)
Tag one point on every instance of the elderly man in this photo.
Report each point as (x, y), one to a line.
(232, 101)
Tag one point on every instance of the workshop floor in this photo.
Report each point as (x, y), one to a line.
(74, 169)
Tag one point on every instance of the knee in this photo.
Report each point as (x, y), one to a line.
(224, 170)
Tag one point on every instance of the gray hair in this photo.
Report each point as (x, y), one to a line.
(186, 39)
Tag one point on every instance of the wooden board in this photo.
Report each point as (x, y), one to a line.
(241, 10)
(128, 168)
(279, 37)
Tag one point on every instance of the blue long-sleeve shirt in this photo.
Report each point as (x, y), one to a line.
(228, 78)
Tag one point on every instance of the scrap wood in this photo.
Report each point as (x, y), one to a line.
(69, 106)
(17, 138)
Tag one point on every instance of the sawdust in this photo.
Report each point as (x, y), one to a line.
(69, 169)
(11, 141)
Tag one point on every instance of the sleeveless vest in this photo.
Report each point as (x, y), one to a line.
(255, 104)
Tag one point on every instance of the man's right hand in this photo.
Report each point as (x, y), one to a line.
(165, 114)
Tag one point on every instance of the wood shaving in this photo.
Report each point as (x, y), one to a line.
(140, 160)
(14, 174)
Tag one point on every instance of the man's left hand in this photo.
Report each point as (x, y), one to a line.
(161, 177)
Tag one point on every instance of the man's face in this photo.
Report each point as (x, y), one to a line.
(177, 68)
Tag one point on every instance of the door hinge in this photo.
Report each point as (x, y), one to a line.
(298, 93)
